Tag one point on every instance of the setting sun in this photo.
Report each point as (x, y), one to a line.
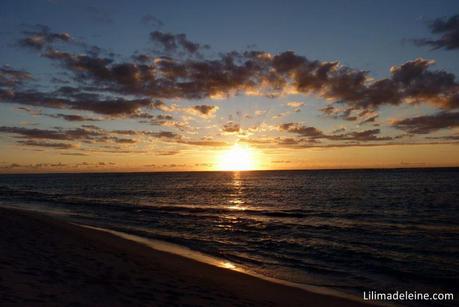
(237, 158)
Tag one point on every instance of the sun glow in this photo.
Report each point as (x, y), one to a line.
(237, 158)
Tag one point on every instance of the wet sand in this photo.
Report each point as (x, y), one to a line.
(45, 261)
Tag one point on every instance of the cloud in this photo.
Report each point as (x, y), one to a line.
(280, 161)
(204, 143)
(445, 137)
(301, 143)
(314, 134)
(56, 165)
(231, 127)
(365, 116)
(71, 117)
(73, 154)
(58, 134)
(338, 113)
(202, 110)
(370, 119)
(87, 135)
(73, 98)
(167, 153)
(10, 77)
(295, 104)
(366, 135)
(163, 134)
(129, 87)
(151, 20)
(280, 115)
(41, 36)
(428, 123)
(310, 132)
(90, 135)
(47, 144)
(34, 166)
(158, 120)
(260, 73)
(448, 31)
(174, 42)
(162, 106)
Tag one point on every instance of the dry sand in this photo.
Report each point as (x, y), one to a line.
(47, 262)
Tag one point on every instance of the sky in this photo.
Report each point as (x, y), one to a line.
(213, 85)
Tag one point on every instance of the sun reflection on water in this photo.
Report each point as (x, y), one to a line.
(237, 202)
(228, 265)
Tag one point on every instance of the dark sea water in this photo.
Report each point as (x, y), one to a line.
(349, 230)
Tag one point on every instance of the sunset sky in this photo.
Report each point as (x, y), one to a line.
(184, 85)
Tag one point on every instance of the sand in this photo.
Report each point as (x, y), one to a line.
(45, 261)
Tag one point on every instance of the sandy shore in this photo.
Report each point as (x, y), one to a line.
(47, 262)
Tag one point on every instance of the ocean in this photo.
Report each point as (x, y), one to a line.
(346, 230)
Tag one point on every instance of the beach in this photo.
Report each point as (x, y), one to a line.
(45, 261)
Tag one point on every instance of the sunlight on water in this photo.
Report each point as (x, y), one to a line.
(236, 203)
(237, 207)
(342, 229)
(228, 265)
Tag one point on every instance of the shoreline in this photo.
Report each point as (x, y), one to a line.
(182, 251)
(53, 262)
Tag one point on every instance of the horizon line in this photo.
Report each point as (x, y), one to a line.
(239, 171)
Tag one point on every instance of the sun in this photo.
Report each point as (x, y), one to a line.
(237, 158)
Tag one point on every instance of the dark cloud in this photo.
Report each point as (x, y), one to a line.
(173, 137)
(58, 134)
(122, 140)
(337, 113)
(314, 134)
(302, 130)
(167, 153)
(448, 31)
(41, 36)
(85, 135)
(73, 154)
(417, 84)
(162, 106)
(156, 120)
(71, 98)
(46, 144)
(428, 123)
(370, 119)
(329, 110)
(71, 117)
(205, 109)
(32, 166)
(366, 135)
(131, 87)
(351, 114)
(163, 117)
(10, 77)
(445, 137)
(175, 42)
(258, 72)
(301, 143)
(231, 127)
(163, 135)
